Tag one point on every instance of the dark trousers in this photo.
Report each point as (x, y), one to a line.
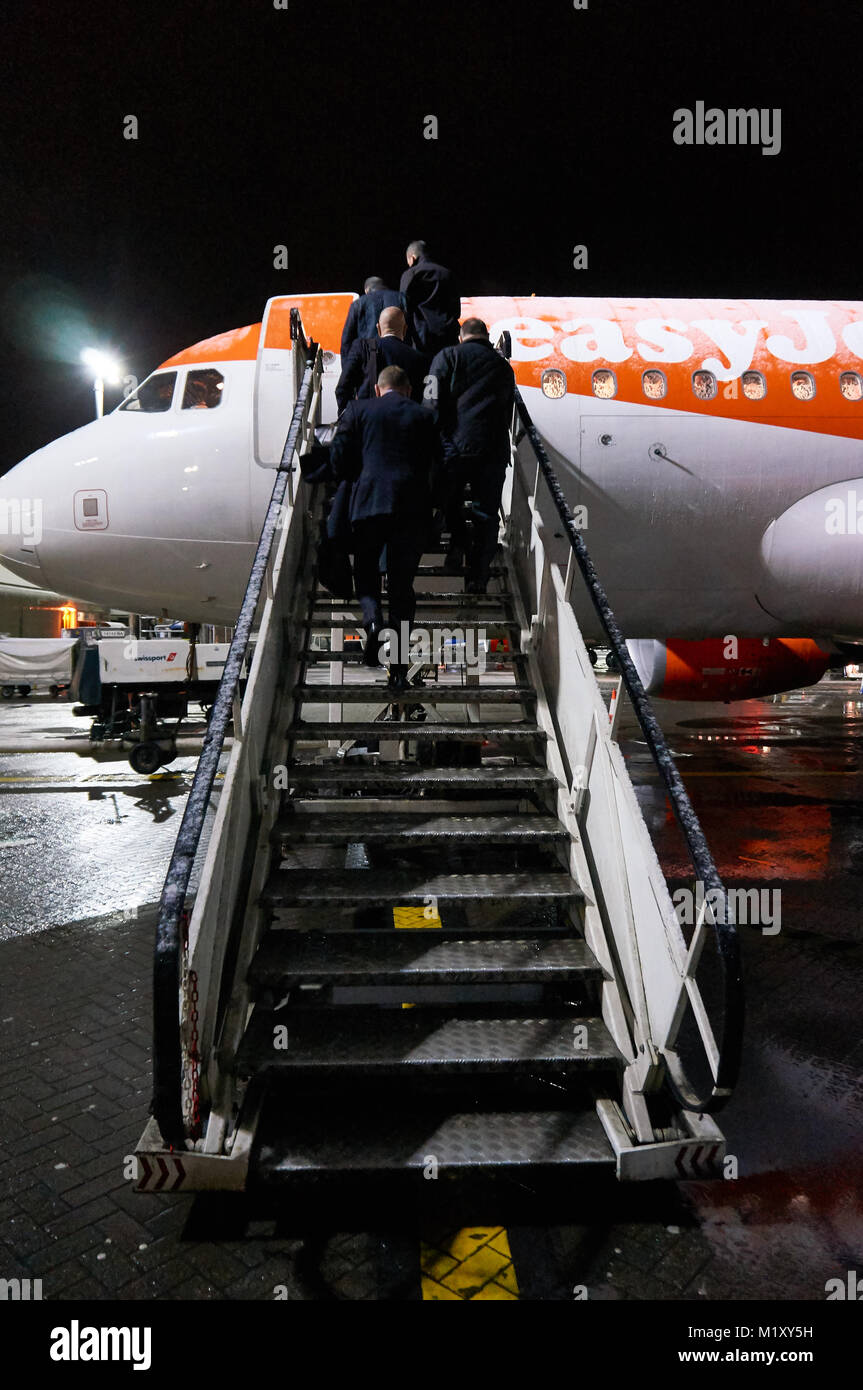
(403, 552)
(486, 478)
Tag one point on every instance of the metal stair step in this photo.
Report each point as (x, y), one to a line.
(362, 887)
(438, 571)
(458, 597)
(365, 1042)
(287, 958)
(353, 653)
(389, 729)
(434, 694)
(361, 1140)
(400, 830)
(498, 925)
(408, 777)
(322, 621)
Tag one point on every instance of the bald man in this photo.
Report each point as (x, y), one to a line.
(368, 357)
(365, 312)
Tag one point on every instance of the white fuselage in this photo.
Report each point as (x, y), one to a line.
(699, 525)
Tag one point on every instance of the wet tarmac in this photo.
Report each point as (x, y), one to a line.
(80, 839)
(778, 785)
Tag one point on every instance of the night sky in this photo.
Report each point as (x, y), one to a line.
(304, 126)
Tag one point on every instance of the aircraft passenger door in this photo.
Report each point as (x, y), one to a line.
(275, 387)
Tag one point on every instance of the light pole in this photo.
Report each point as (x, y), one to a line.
(104, 368)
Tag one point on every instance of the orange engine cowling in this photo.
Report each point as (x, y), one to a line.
(727, 668)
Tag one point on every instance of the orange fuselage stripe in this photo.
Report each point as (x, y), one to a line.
(563, 328)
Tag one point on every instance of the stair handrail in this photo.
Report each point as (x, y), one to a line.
(167, 1104)
(730, 1049)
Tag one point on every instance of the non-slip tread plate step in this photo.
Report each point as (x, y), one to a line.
(358, 828)
(370, 1141)
(311, 730)
(306, 919)
(390, 1041)
(354, 693)
(410, 886)
(438, 572)
(352, 654)
(468, 619)
(414, 779)
(287, 958)
(325, 601)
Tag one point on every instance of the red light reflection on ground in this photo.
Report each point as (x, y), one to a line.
(825, 1197)
(753, 842)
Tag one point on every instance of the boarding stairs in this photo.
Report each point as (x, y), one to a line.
(428, 932)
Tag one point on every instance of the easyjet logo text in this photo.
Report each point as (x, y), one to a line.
(801, 336)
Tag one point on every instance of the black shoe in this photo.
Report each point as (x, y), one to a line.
(453, 562)
(476, 586)
(398, 682)
(373, 645)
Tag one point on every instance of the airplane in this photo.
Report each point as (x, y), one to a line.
(713, 449)
(13, 587)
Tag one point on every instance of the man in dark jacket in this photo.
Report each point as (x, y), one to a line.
(433, 302)
(364, 313)
(389, 446)
(473, 406)
(368, 357)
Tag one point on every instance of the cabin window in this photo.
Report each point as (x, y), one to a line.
(153, 395)
(604, 383)
(203, 389)
(754, 386)
(704, 385)
(803, 386)
(553, 383)
(851, 386)
(653, 384)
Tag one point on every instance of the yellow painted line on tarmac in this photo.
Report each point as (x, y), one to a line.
(32, 777)
(472, 1265)
(111, 777)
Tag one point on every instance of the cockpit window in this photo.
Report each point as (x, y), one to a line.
(203, 389)
(153, 395)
